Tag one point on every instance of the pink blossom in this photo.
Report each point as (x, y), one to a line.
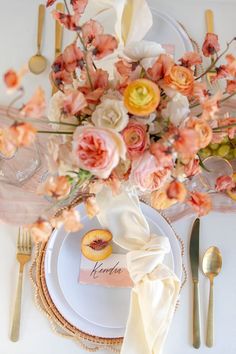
(190, 59)
(104, 44)
(135, 138)
(79, 5)
(71, 22)
(192, 168)
(56, 187)
(146, 174)
(162, 153)
(40, 230)
(211, 106)
(223, 183)
(74, 102)
(231, 86)
(98, 150)
(176, 190)
(35, 107)
(91, 207)
(161, 67)
(187, 142)
(72, 57)
(22, 134)
(90, 30)
(231, 64)
(211, 45)
(200, 202)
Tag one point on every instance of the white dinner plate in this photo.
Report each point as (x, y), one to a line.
(96, 310)
(165, 30)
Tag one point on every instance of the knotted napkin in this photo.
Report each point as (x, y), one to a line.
(156, 287)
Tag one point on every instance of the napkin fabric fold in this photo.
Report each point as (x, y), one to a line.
(156, 287)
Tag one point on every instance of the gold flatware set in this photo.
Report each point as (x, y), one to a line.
(38, 63)
(23, 256)
(211, 267)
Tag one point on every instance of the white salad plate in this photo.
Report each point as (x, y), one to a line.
(94, 309)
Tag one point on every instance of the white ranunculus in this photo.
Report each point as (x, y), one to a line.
(55, 113)
(111, 114)
(143, 50)
(177, 109)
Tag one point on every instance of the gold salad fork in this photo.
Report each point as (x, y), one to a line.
(24, 248)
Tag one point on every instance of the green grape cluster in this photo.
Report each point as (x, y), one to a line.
(226, 149)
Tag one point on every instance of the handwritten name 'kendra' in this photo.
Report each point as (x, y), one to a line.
(97, 269)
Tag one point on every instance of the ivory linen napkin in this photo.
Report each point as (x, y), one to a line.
(156, 287)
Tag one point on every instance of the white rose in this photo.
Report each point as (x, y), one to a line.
(177, 109)
(111, 114)
(55, 113)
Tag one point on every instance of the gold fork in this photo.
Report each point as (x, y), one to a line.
(24, 248)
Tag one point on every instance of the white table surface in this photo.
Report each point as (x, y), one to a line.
(17, 38)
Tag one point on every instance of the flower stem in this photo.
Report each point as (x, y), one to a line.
(228, 97)
(66, 6)
(219, 129)
(18, 97)
(216, 60)
(53, 132)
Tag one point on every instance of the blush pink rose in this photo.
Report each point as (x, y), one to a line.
(146, 174)
(98, 150)
(135, 138)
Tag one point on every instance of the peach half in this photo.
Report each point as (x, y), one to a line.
(232, 193)
(96, 245)
(141, 97)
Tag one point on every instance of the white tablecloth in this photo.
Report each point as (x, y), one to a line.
(17, 38)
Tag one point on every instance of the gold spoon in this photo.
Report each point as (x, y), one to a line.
(38, 63)
(211, 265)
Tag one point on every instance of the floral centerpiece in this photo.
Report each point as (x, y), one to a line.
(135, 126)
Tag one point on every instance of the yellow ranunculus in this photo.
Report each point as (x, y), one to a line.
(141, 97)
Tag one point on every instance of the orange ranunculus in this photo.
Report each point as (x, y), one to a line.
(141, 97)
(180, 79)
(203, 129)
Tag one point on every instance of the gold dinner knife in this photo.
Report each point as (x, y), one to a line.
(58, 37)
(194, 260)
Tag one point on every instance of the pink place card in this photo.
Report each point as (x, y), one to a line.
(111, 272)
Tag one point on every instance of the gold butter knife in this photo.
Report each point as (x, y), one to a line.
(210, 29)
(58, 37)
(194, 260)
